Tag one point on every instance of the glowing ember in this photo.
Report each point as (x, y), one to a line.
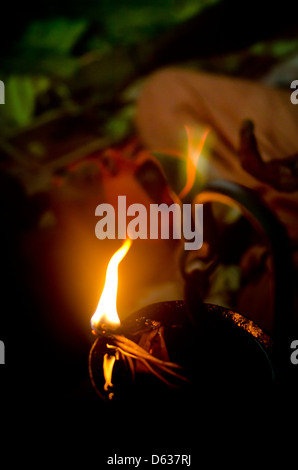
(108, 366)
(106, 311)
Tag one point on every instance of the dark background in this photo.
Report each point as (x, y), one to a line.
(42, 46)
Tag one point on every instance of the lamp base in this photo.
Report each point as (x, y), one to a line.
(231, 355)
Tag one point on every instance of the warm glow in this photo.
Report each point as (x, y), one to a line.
(108, 366)
(193, 154)
(106, 311)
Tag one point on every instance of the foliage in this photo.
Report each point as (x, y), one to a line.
(51, 44)
(53, 40)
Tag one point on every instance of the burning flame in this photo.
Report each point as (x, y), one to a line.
(108, 366)
(106, 311)
(193, 154)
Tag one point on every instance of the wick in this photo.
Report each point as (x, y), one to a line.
(104, 328)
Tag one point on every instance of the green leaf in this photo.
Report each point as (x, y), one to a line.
(20, 100)
(57, 66)
(57, 35)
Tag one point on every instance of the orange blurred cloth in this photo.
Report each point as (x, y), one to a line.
(173, 98)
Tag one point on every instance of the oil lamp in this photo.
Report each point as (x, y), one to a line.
(137, 344)
(188, 349)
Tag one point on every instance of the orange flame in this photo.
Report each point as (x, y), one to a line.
(193, 155)
(106, 311)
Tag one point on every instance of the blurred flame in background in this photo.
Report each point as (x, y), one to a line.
(192, 158)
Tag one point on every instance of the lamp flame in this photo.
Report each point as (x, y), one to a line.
(106, 311)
